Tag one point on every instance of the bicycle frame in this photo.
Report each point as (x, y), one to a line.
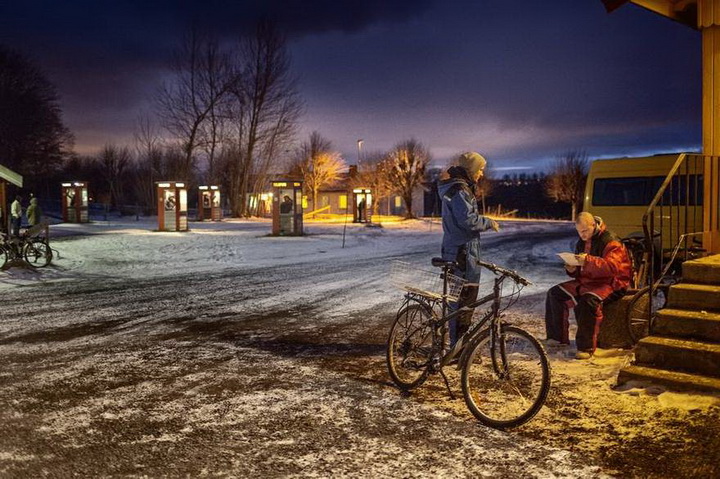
(491, 315)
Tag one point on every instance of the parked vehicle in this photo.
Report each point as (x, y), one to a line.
(621, 189)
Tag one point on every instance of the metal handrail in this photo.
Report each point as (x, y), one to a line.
(657, 274)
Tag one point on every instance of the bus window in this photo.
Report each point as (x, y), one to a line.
(640, 191)
(621, 191)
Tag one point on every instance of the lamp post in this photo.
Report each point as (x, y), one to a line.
(359, 143)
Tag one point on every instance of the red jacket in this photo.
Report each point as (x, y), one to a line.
(607, 266)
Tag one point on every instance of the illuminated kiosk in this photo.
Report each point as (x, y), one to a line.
(75, 202)
(172, 206)
(7, 176)
(287, 208)
(209, 203)
(362, 203)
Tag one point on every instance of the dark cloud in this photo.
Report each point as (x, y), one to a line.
(522, 80)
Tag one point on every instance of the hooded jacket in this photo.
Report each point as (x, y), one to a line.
(607, 266)
(462, 223)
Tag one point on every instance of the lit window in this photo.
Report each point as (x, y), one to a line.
(343, 202)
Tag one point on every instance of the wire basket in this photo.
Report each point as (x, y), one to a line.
(426, 283)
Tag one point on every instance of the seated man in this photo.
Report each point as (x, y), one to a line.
(603, 272)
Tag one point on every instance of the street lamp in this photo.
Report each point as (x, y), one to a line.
(359, 143)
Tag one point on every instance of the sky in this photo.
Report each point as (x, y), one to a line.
(521, 81)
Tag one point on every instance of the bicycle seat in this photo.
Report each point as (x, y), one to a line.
(441, 263)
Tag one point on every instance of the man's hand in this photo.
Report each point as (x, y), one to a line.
(570, 269)
(581, 258)
(494, 225)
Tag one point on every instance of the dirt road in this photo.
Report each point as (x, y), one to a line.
(275, 370)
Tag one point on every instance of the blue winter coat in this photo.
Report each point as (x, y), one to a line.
(461, 220)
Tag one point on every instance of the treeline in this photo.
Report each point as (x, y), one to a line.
(228, 115)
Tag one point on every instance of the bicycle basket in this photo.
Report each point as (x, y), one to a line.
(423, 282)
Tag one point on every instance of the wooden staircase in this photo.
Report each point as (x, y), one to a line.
(683, 353)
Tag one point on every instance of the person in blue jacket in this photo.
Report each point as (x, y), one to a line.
(462, 225)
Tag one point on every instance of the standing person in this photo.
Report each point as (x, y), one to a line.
(286, 215)
(604, 272)
(361, 211)
(16, 215)
(34, 213)
(462, 225)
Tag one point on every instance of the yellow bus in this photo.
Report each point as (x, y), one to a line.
(620, 191)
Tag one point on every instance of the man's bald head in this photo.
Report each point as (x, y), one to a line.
(585, 225)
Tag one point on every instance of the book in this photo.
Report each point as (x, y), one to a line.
(569, 259)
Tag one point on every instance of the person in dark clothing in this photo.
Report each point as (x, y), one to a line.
(462, 225)
(286, 206)
(603, 274)
(361, 211)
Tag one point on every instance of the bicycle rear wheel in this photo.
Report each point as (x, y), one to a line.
(638, 321)
(506, 385)
(410, 346)
(37, 253)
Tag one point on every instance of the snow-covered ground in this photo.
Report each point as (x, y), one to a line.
(224, 351)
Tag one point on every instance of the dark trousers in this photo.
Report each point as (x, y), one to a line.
(16, 226)
(461, 324)
(588, 314)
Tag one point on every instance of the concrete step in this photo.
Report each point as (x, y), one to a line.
(699, 297)
(681, 323)
(675, 380)
(695, 357)
(703, 270)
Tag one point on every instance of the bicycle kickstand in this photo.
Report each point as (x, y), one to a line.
(447, 384)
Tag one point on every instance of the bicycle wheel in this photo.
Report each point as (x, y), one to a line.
(637, 321)
(506, 386)
(3, 257)
(410, 346)
(37, 253)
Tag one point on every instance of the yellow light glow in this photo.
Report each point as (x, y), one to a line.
(279, 184)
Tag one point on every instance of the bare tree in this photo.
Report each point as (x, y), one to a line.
(409, 160)
(484, 188)
(375, 173)
(188, 105)
(319, 165)
(149, 163)
(265, 110)
(113, 163)
(567, 177)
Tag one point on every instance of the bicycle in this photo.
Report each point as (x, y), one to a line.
(505, 373)
(640, 315)
(29, 247)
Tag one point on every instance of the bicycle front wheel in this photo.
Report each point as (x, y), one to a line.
(410, 346)
(505, 384)
(639, 317)
(37, 253)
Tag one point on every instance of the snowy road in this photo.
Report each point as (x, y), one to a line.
(227, 352)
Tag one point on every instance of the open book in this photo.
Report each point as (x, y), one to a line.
(569, 259)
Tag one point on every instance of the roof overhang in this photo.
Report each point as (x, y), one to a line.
(11, 177)
(683, 11)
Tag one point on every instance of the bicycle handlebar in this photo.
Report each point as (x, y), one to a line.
(505, 272)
